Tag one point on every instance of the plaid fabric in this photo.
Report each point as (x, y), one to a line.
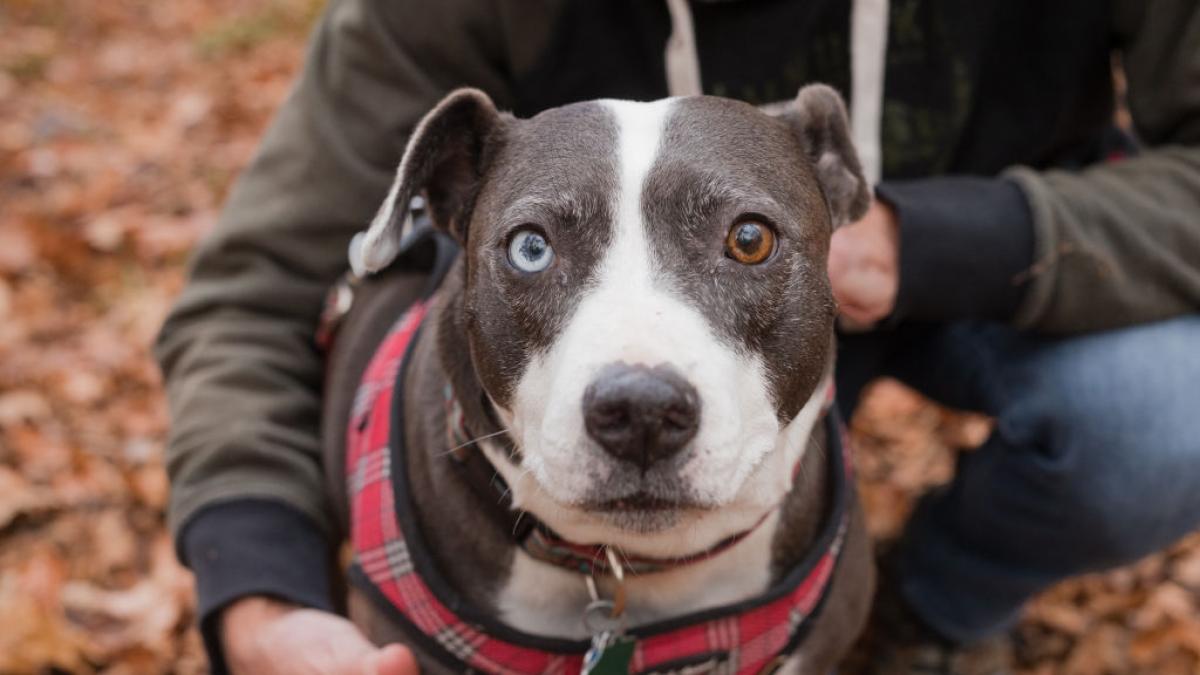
(744, 643)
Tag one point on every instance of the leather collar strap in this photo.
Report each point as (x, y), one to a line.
(393, 566)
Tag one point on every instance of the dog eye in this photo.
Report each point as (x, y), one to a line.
(529, 251)
(749, 241)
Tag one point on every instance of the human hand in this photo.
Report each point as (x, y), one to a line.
(864, 268)
(262, 636)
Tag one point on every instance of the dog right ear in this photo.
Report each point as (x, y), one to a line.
(818, 118)
(444, 159)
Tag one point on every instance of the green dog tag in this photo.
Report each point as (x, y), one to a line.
(610, 655)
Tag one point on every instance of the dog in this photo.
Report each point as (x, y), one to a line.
(600, 439)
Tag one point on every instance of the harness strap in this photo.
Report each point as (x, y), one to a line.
(394, 567)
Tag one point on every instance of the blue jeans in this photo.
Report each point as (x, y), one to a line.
(1094, 462)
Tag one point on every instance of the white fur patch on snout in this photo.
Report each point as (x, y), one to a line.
(632, 314)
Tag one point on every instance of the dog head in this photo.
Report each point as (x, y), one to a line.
(645, 300)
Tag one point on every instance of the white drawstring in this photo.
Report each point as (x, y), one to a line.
(868, 56)
(682, 60)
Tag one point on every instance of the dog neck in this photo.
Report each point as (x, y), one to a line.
(492, 571)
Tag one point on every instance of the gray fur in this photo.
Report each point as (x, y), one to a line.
(485, 174)
(818, 116)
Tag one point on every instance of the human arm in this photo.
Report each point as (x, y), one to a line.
(1119, 243)
(1054, 251)
(243, 375)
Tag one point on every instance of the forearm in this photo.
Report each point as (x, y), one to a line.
(1056, 251)
(1118, 244)
(253, 548)
(242, 372)
(964, 244)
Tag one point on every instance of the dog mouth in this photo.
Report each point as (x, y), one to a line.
(628, 493)
(641, 512)
(642, 502)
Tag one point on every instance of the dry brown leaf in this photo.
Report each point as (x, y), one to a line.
(1156, 645)
(139, 620)
(6, 302)
(22, 406)
(1186, 569)
(1062, 617)
(114, 543)
(17, 253)
(1099, 652)
(35, 636)
(18, 497)
(1167, 603)
(150, 486)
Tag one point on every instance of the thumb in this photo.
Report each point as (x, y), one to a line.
(391, 660)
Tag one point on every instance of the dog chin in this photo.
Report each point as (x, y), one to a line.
(635, 517)
(663, 522)
(653, 529)
(644, 513)
(641, 522)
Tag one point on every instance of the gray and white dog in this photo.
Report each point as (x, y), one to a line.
(639, 328)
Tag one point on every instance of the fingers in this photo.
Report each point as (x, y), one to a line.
(863, 300)
(863, 269)
(391, 660)
(353, 653)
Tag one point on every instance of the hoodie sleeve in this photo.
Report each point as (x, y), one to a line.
(243, 375)
(1059, 252)
(1119, 243)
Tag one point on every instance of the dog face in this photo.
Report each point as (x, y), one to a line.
(646, 301)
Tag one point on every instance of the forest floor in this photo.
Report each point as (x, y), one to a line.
(122, 125)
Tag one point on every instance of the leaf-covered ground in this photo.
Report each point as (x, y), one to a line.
(122, 123)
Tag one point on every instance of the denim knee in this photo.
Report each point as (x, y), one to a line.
(1112, 426)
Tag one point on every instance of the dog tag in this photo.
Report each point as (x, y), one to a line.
(610, 654)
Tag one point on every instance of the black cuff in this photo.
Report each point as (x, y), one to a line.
(253, 547)
(964, 243)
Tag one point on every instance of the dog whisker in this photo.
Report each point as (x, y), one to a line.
(629, 568)
(508, 489)
(517, 522)
(473, 441)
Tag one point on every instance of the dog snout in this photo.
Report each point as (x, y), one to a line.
(640, 414)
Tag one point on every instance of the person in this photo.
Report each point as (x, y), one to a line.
(1023, 258)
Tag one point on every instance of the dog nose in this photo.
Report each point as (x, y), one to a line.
(640, 414)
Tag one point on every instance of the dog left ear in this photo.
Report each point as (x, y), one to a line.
(818, 117)
(444, 158)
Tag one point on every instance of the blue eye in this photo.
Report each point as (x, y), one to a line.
(529, 251)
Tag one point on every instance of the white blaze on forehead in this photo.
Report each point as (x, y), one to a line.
(640, 128)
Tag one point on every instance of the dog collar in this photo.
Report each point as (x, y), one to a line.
(393, 566)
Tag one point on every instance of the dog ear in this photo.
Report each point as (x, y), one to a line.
(818, 117)
(444, 159)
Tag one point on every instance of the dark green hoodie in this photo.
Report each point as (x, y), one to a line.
(1017, 199)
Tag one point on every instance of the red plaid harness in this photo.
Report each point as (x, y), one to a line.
(750, 637)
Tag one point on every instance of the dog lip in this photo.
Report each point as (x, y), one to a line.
(642, 502)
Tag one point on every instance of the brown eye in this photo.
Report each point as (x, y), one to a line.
(749, 242)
